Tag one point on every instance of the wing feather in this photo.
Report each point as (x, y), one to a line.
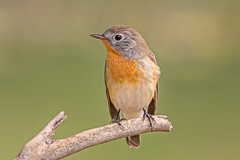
(112, 110)
(152, 108)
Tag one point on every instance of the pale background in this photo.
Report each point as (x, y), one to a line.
(49, 63)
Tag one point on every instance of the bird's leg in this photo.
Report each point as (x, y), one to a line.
(150, 118)
(118, 114)
(118, 120)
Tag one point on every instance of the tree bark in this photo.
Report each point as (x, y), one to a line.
(43, 147)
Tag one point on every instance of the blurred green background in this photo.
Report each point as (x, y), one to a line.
(49, 63)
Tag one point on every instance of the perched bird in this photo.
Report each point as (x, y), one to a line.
(131, 76)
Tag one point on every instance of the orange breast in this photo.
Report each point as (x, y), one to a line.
(120, 69)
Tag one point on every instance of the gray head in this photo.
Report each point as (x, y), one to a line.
(125, 40)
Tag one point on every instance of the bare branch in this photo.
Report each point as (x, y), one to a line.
(43, 147)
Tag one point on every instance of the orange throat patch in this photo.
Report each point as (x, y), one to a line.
(120, 69)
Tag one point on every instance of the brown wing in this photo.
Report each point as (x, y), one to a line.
(112, 110)
(152, 108)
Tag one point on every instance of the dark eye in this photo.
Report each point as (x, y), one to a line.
(118, 37)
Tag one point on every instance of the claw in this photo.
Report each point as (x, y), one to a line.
(117, 120)
(150, 118)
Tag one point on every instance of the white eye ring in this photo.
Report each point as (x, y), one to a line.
(118, 37)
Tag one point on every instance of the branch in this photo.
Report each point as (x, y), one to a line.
(43, 147)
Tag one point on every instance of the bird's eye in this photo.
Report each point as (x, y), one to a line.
(118, 37)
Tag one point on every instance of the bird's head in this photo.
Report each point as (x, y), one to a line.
(127, 41)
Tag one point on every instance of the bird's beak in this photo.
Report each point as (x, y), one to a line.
(98, 36)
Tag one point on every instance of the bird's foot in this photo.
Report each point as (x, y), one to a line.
(118, 122)
(150, 118)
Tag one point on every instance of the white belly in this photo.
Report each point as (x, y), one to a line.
(131, 98)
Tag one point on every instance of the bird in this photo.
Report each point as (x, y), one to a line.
(131, 77)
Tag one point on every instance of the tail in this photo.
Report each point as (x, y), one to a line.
(134, 141)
